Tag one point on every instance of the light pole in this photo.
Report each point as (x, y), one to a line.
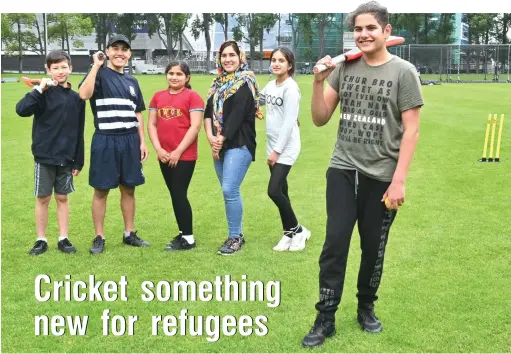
(45, 19)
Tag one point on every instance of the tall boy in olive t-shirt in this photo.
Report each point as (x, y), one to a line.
(380, 99)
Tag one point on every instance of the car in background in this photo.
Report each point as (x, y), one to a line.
(153, 71)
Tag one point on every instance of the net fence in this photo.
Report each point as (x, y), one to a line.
(459, 63)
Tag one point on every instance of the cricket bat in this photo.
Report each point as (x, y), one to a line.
(33, 82)
(356, 53)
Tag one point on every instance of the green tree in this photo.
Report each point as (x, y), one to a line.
(178, 25)
(223, 20)
(293, 21)
(481, 27)
(503, 27)
(254, 24)
(17, 35)
(412, 23)
(251, 33)
(102, 25)
(126, 24)
(323, 22)
(202, 25)
(264, 22)
(306, 28)
(39, 47)
(64, 27)
(161, 24)
(444, 29)
(170, 28)
(279, 19)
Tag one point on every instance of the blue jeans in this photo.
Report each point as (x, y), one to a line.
(231, 169)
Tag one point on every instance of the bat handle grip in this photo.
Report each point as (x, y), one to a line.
(321, 67)
(48, 83)
(318, 68)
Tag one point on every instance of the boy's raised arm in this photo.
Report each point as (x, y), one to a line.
(86, 89)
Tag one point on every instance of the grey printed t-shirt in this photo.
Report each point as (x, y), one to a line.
(371, 100)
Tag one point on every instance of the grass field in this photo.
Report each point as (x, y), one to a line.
(446, 283)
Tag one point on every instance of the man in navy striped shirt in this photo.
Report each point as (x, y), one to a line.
(118, 146)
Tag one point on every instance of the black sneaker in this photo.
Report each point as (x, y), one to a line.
(231, 245)
(323, 328)
(134, 240)
(175, 239)
(66, 246)
(98, 245)
(40, 247)
(368, 320)
(179, 243)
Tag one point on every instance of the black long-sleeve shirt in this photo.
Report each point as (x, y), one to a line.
(239, 120)
(59, 122)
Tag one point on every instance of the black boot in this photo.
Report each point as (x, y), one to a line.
(367, 319)
(323, 327)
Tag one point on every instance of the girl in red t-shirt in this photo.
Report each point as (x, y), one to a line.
(175, 117)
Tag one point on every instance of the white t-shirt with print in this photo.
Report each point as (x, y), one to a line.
(282, 107)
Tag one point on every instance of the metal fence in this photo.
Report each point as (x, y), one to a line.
(443, 63)
(459, 63)
(199, 65)
(37, 64)
(449, 63)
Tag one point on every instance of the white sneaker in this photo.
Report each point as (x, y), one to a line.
(298, 240)
(284, 243)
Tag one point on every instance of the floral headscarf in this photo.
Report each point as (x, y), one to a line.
(226, 84)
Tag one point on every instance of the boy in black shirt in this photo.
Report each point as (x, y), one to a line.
(57, 145)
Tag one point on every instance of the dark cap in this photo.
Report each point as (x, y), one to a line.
(119, 38)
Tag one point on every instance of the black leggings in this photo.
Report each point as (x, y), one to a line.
(178, 179)
(278, 192)
(352, 197)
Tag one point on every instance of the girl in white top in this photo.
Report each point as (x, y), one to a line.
(282, 99)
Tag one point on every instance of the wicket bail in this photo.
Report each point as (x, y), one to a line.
(499, 138)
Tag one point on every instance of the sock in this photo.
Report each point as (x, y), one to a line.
(41, 239)
(189, 238)
(62, 237)
(126, 233)
(288, 233)
(297, 229)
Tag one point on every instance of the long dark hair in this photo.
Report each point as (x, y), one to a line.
(184, 68)
(288, 54)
